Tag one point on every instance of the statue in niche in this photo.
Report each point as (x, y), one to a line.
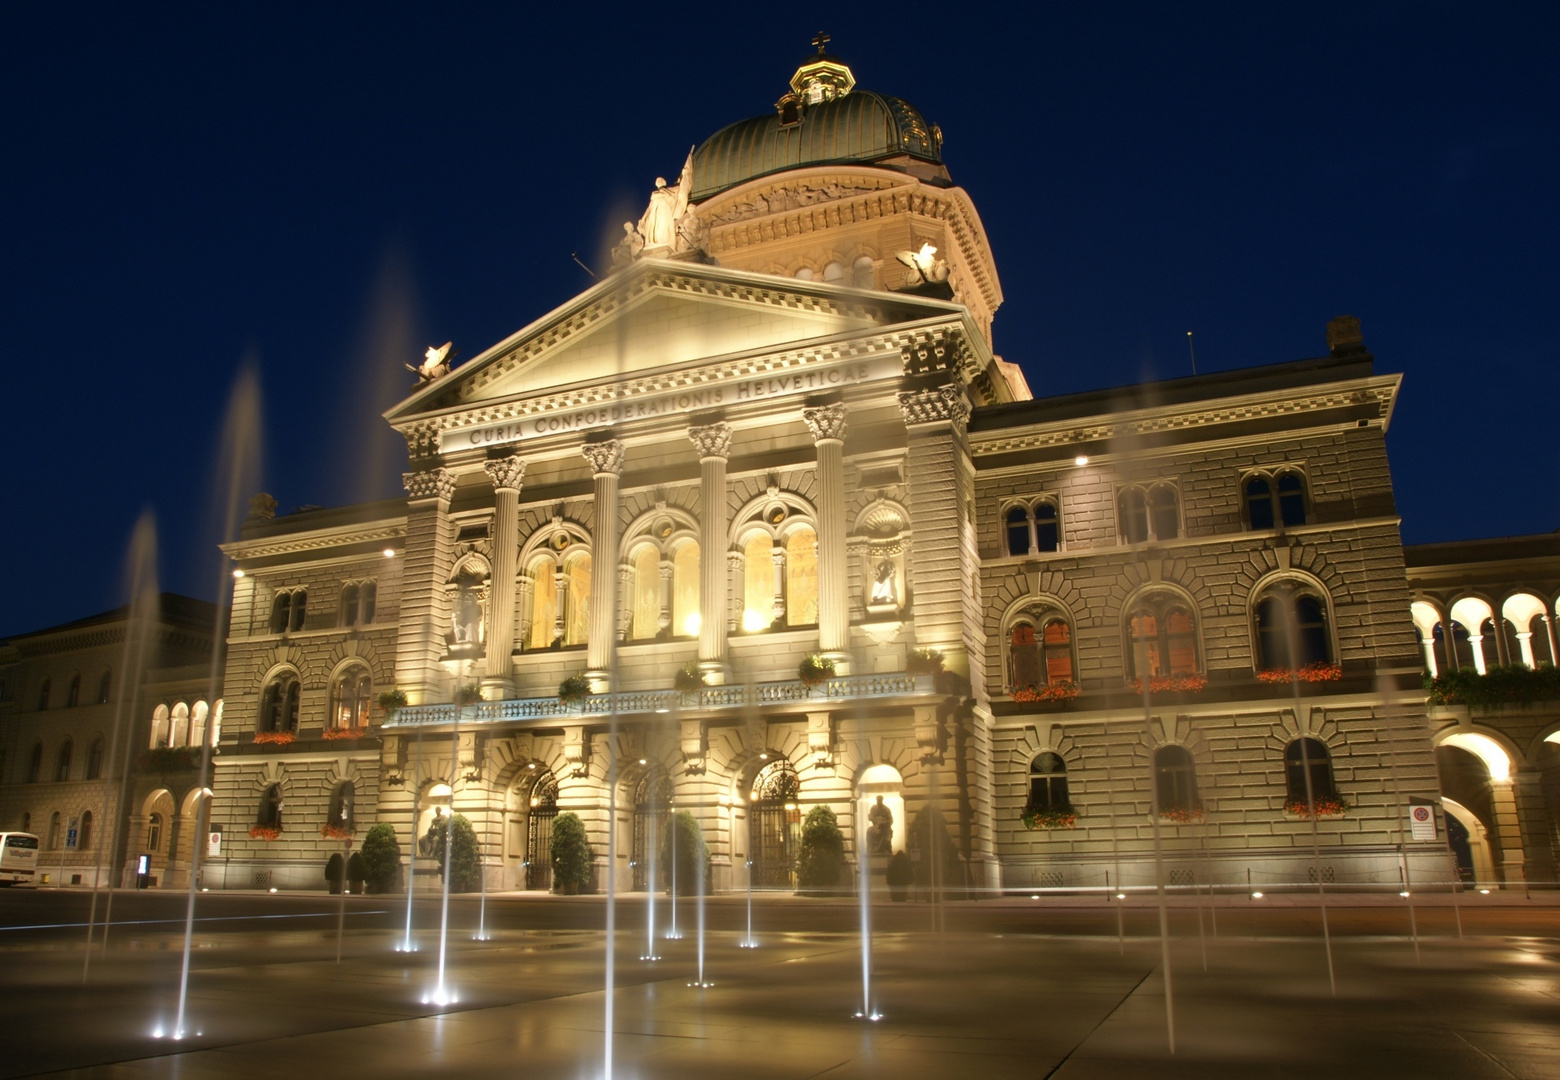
(426, 841)
(880, 829)
(883, 584)
(466, 619)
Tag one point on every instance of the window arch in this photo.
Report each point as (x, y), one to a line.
(349, 604)
(1040, 653)
(154, 831)
(1149, 513)
(95, 759)
(862, 272)
(62, 763)
(1048, 783)
(53, 840)
(73, 692)
(663, 561)
(35, 763)
(84, 831)
(1259, 503)
(1162, 633)
(801, 576)
(1035, 527)
(270, 811)
(159, 727)
(760, 597)
(1291, 498)
(104, 684)
(834, 273)
(350, 694)
(342, 812)
(198, 714)
(288, 610)
(1175, 780)
(279, 703)
(179, 731)
(1307, 759)
(1292, 627)
(1273, 499)
(43, 695)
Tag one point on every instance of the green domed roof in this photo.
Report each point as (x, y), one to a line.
(856, 125)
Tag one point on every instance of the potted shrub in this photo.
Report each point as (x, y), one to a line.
(465, 865)
(901, 875)
(357, 872)
(572, 858)
(470, 694)
(814, 670)
(573, 691)
(820, 859)
(688, 680)
(391, 701)
(335, 871)
(381, 857)
(924, 662)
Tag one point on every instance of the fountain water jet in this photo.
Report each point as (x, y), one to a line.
(867, 1012)
(749, 942)
(651, 883)
(237, 470)
(698, 877)
(411, 854)
(441, 994)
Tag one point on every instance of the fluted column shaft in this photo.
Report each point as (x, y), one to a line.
(507, 474)
(828, 430)
(606, 462)
(714, 445)
(426, 565)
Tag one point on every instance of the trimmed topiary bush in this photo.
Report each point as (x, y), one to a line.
(901, 875)
(357, 872)
(335, 866)
(381, 859)
(573, 862)
(465, 867)
(692, 853)
(820, 861)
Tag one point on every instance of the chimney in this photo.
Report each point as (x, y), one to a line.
(1344, 337)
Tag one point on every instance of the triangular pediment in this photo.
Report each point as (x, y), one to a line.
(661, 315)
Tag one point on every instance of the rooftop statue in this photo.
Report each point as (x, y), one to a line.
(435, 365)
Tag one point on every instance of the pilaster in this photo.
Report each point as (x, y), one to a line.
(507, 474)
(827, 424)
(936, 475)
(713, 442)
(606, 463)
(430, 556)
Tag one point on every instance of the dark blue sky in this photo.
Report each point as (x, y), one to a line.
(330, 188)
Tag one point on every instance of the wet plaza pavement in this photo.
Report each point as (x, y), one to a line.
(1006, 990)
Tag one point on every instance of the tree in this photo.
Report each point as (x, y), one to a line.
(381, 857)
(572, 858)
(820, 861)
(692, 852)
(465, 866)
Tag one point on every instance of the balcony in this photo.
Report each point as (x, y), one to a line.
(638, 702)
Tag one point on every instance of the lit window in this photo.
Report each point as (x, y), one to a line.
(349, 698)
(279, 703)
(861, 272)
(1163, 637)
(1043, 658)
(544, 603)
(647, 592)
(758, 583)
(685, 590)
(577, 622)
(801, 577)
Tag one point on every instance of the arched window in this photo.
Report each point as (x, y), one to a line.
(279, 703)
(35, 763)
(180, 729)
(804, 274)
(1048, 783)
(154, 831)
(544, 604)
(834, 273)
(758, 583)
(159, 727)
(646, 561)
(1292, 628)
(1018, 531)
(349, 698)
(801, 577)
(53, 840)
(1291, 499)
(1163, 637)
(198, 716)
(270, 812)
(1132, 509)
(686, 619)
(1259, 503)
(62, 763)
(103, 687)
(84, 831)
(576, 623)
(73, 694)
(369, 593)
(349, 605)
(281, 612)
(1164, 512)
(342, 802)
(1048, 527)
(1304, 759)
(861, 272)
(1175, 780)
(95, 759)
(1042, 658)
(43, 696)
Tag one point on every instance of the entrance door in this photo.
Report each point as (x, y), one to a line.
(538, 848)
(652, 802)
(775, 826)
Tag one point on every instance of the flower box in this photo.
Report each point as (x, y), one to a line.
(1170, 684)
(1321, 808)
(1311, 673)
(1057, 817)
(1054, 692)
(337, 832)
(275, 738)
(334, 734)
(265, 832)
(1182, 815)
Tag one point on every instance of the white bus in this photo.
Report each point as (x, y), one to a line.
(18, 858)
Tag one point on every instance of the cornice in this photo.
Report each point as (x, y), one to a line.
(315, 540)
(1378, 391)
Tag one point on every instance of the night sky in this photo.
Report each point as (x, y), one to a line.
(328, 189)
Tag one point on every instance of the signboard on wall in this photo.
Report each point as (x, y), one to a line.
(1421, 819)
(72, 833)
(213, 845)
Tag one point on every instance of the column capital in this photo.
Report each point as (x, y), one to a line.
(429, 484)
(712, 440)
(604, 457)
(940, 404)
(826, 422)
(506, 472)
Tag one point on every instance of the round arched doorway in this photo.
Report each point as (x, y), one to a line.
(775, 826)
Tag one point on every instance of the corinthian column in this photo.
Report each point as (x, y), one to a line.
(828, 431)
(714, 445)
(606, 464)
(507, 474)
(425, 569)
